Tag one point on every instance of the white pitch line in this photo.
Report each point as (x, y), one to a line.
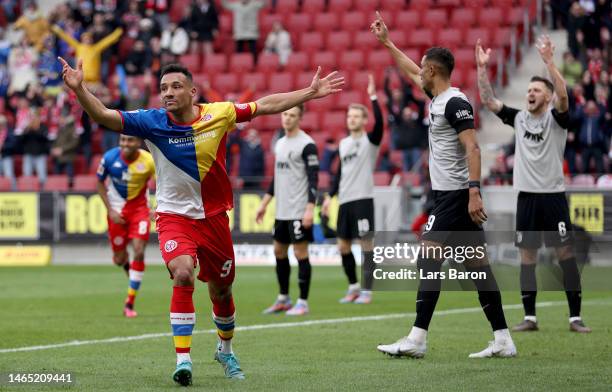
(119, 339)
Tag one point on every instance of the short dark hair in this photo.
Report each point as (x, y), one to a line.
(443, 57)
(302, 108)
(547, 82)
(175, 68)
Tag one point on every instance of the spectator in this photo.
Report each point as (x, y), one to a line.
(330, 153)
(88, 51)
(175, 39)
(279, 42)
(23, 115)
(138, 60)
(131, 19)
(246, 25)
(5, 80)
(110, 139)
(34, 25)
(35, 148)
(49, 69)
(251, 159)
(21, 68)
(8, 148)
(100, 29)
(592, 137)
(588, 86)
(571, 69)
(65, 146)
(159, 10)
(204, 25)
(606, 43)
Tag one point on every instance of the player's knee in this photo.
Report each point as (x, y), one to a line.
(300, 251)
(565, 252)
(139, 254)
(529, 256)
(120, 258)
(344, 247)
(183, 276)
(280, 251)
(222, 294)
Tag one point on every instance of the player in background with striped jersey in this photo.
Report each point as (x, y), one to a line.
(188, 144)
(354, 185)
(126, 199)
(296, 173)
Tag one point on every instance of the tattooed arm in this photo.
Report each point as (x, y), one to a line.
(484, 85)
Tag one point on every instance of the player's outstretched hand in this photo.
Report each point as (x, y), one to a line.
(328, 85)
(546, 49)
(379, 28)
(371, 85)
(482, 56)
(476, 208)
(72, 77)
(116, 217)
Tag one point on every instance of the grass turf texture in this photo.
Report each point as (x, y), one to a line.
(40, 306)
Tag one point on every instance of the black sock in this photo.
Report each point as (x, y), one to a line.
(367, 269)
(126, 267)
(283, 271)
(348, 264)
(489, 297)
(571, 283)
(529, 287)
(304, 274)
(428, 294)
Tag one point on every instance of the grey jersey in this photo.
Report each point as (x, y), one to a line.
(358, 161)
(540, 144)
(296, 167)
(449, 114)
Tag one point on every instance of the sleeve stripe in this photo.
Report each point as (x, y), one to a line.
(122, 119)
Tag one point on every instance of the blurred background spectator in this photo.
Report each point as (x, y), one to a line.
(65, 146)
(279, 42)
(246, 24)
(202, 21)
(251, 159)
(35, 147)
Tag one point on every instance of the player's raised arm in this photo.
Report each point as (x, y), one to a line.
(484, 84)
(547, 49)
(73, 78)
(319, 88)
(404, 63)
(376, 134)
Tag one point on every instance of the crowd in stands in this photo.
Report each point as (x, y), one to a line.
(586, 68)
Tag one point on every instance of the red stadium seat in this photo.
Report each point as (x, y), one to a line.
(80, 166)
(490, 17)
(420, 5)
(325, 22)
(177, 10)
(298, 61)
(267, 62)
(303, 80)
(28, 184)
(395, 5)
(334, 120)
(267, 21)
(504, 5)
(347, 98)
(286, 7)
(256, 80)
(321, 106)
(463, 18)
(57, 183)
(85, 183)
(421, 38)
(340, 6)
(281, 81)
(299, 23)
(310, 121)
(367, 6)
(215, 63)
(241, 62)
(311, 42)
(449, 3)
(226, 21)
(378, 60)
(365, 40)
(95, 162)
(326, 60)
(464, 58)
(458, 77)
(313, 6)
(191, 61)
(387, 15)
(225, 83)
(352, 60)
(502, 37)
(359, 80)
(354, 21)
(473, 35)
(199, 80)
(407, 18)
(382, 178)
(450, 38)
(515, 16)
(435, 19)
(338, 41)
(5, 184)
(398, 37)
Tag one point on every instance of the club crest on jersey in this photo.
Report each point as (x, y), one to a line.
(140, 167)
(118, 241)
(208, 117)
(170, 245)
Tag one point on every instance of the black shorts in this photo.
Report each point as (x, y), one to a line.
(543, 218)
(355, 219)
(449, 222)
(291, 231)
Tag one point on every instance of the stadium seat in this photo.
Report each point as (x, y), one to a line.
(310, 122)
(359, 80)
(298, 61)
(267, 62)
(191, 61)
(340, 6)
(354, 22)
(28, 184)
(347, 98)
(334, 120)
(398, 37)
(421, 38)
(226, 21)
(435, 19)
(85, 183)
(407, 18)
(420, 5)
(198, 79)
(177, 10)
(326, 60)
(225, 83)
(311, 42)
(502, 37)
(450, 38)
(411, 178)
(266, 22)
(286, 7)
(5, 184)
(515, 16)
(388, 17)
(365, 40)
(382, 178)
(378, 60)
(80, 166)
(458, 77)
(463, 18)
(303, 79)
(449, 3)
(464, 58)
(257, 80)
(299, 23)
(241, 62)
(313, 6)
(281, 81)
(367, 6)
(472, 35)
(351, 60)
(325, 22)
(57, 183)
(504, 5)
(215, 63)
(395, 5)
(490, 17)
(339, 41)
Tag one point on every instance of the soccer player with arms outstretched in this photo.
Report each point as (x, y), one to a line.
(296, 173)
(354, 185)
(188, 144)
(458, 212)
(542, 213)
(127, 205)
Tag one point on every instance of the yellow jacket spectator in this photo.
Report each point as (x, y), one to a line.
(88, 51)
(34, 26)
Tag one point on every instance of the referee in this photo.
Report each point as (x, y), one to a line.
(542, 213)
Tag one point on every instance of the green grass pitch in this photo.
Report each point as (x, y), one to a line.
(42, 306)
